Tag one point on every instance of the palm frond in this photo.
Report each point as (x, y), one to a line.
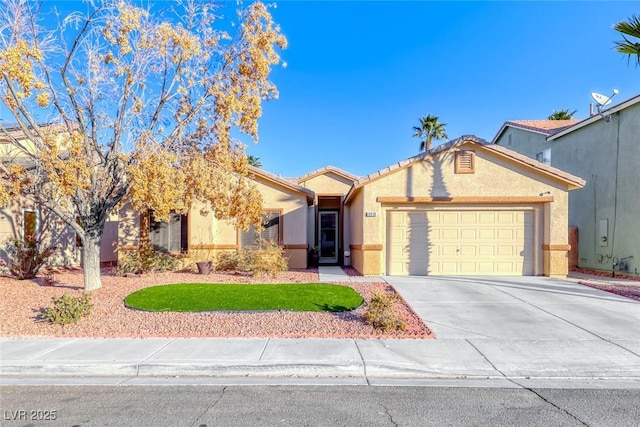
(630, 28)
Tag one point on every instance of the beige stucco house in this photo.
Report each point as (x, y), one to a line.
(464, 208)
(286, 206)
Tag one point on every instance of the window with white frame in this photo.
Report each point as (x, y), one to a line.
(544, 156)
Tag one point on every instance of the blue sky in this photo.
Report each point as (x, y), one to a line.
(360, 74)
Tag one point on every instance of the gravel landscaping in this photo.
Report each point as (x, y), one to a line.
(612, 284)
(23, 301)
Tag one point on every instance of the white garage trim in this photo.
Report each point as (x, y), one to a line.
(456, 240)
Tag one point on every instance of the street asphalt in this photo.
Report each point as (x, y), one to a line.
(490, 332)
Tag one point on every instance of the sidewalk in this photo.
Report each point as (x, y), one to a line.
(339, 361)
(481, 362)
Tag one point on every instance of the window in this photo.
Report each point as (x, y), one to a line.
(270, 231)
(465, 161)
(544, 156)
(29, 223)
(169, 236)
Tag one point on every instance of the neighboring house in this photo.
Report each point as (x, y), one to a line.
(605, 150)
(529, 137)
(462, 208)
(23, 218)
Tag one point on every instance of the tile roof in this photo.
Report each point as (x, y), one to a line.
(572, 179)
(284, 182)
(544, 127)
(547, 127)
(328, 168)
(602, 115)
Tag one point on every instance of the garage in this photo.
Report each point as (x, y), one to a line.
(462, 208)
(495, 241)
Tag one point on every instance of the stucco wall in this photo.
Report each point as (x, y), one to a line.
(294, 212)
(524, 142)
(327, 183)
(592, 152)
(208, 236)
(355, 218)
(128, 227)
(108, 245)
(50, 229)
(494, 177)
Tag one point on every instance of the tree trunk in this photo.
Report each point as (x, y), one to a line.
(91, 263)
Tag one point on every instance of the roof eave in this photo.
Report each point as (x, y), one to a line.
(589, 120)
(328, 169)
(310, 195)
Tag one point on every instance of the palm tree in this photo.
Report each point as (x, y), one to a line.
(562, 115)
(629, 29)
(429, 130)
(254, 161)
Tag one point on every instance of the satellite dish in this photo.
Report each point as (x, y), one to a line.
(601, 99)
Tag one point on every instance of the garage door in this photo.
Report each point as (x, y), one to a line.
(462, 242)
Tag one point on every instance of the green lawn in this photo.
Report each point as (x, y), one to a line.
(209, 297)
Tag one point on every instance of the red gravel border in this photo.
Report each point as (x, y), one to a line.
(609, 283)
(23, 301)
(629, 291)
(608, 274)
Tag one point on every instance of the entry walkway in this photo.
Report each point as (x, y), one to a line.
(336, 274)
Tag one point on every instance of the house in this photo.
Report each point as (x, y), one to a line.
(287, 207)
(529, 137)
(605, 150)
(463, 208)
(466, 207)
(22, 217)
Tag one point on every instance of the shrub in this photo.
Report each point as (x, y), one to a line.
(27, 256)
(146, 260)
(268, 258)
(229, 261)
(67, 309)
(380, 314)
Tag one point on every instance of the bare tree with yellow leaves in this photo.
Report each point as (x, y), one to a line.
(118, 101)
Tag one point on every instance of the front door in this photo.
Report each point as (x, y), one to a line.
(328, 236)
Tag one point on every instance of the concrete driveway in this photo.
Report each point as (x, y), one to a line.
(537, 308)
(524, 327)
